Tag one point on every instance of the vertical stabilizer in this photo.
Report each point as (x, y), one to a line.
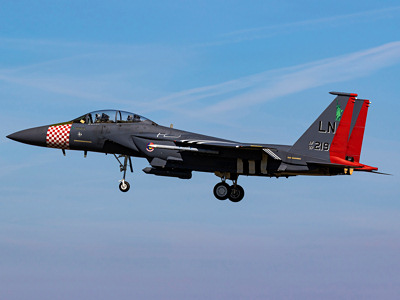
(328, 136)
(357, 129)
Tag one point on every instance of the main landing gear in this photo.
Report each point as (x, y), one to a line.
(124, 185)
(223, 191)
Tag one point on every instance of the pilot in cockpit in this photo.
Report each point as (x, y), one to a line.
(105, 118)
(102, 118)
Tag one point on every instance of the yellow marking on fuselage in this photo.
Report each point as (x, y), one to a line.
(81, 141)
(291, 157)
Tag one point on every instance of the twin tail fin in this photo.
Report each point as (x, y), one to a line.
(336, 136)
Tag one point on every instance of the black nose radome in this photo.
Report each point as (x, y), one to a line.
(33, 136)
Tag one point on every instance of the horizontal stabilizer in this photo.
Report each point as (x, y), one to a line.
(380, 173)
(342, 163)
(333, 165)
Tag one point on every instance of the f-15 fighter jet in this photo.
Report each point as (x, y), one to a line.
(330, 146)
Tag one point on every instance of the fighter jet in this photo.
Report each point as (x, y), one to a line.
(330, 146)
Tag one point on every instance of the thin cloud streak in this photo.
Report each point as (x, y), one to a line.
(268, 31)
(207, 100)
(108, 73)
(262, 87)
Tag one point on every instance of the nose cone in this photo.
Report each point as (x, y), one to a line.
(33, 136)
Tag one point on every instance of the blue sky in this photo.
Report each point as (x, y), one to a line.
(256, 71)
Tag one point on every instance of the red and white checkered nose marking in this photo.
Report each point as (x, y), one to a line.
(58, 136)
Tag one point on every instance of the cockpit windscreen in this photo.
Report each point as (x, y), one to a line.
(110, 116)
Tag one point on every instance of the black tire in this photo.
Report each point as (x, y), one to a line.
(222, 191)
(236, 194)
(124, 186)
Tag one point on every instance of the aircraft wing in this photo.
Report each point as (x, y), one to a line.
(205, 144)
(213, 147)
(224, 144)
(201, 141)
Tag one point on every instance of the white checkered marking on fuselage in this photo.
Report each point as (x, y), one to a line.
(58, 136)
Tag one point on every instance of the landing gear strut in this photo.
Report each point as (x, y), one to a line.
(124, 185)
(223, 191)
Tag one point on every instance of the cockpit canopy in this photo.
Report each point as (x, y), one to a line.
(110, 116)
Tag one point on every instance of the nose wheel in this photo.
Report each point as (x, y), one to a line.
(124, 185)
(223, 191)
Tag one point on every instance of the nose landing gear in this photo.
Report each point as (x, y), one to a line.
(124, 185)
(223, 191)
